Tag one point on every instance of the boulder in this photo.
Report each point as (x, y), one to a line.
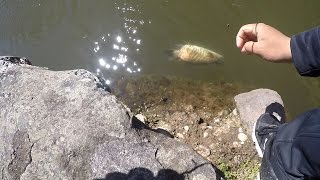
(253, 104)
(66, 125)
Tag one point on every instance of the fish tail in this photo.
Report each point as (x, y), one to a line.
(169, 52)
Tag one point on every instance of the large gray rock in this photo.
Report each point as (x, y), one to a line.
(253, 104)
(65, 125)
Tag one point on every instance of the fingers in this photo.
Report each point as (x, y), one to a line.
(246, 33)
(252, 47)
(248, 47)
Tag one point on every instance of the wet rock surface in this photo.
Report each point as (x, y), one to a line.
(66, 125)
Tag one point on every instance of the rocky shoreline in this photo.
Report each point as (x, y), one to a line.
(67, 125)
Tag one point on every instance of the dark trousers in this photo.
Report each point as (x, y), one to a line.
(294, 152)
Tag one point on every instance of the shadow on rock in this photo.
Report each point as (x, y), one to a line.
(145, 174)
(163, 174)
(137, 124)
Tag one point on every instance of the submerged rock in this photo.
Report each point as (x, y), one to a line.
(65, 125)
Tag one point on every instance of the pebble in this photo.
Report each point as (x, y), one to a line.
(141, 117)
(223, 113)
(235, 112)
(242, 137)
(180, 136)
(205, 134)
(164, 125)
(216, 120)
(203, 151)
(186, 128)
(240, 130)
(235, 144)
(237, 159)
(226, 112)
(212, 146)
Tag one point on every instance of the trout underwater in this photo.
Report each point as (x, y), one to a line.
(196, 54)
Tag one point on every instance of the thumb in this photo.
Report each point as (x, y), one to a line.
(250, 47)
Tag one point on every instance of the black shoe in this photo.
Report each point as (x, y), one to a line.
(264, 129)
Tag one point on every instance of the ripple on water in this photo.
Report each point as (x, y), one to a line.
(123, 47)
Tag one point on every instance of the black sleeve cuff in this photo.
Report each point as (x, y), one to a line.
(305, 49)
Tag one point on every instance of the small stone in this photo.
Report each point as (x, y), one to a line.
(235, 144)
(216, 120)
(242, 137)
(141, 117)
(236, 159)
(225, 112)
(180, 136)
(186, 128)
(203, 151)
(220, 113)
(209, 127)
(212, 146)
(235, 112)
(240, 130)
(163, 125)
(205, 134)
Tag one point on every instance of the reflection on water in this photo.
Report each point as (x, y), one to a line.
(122, 49)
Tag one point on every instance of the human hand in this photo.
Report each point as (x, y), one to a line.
(264, 41)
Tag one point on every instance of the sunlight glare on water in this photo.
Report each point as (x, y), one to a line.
(125, 47)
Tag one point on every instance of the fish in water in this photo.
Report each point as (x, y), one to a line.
(196, 54)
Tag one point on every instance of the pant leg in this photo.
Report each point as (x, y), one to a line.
(295, 149)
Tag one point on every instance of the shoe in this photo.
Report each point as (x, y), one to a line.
(264, 129)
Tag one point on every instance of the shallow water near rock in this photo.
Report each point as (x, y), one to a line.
(126, 37)
(189, 110)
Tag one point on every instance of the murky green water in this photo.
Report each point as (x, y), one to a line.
(127, 37)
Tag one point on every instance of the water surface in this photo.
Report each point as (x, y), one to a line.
(117, 38)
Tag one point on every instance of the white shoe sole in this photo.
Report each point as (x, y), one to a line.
(254, 138)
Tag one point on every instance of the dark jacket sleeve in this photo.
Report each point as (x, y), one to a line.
(305, 49)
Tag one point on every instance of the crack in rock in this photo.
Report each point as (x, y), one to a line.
(2, 174)
(156, 157)
(22, 147)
